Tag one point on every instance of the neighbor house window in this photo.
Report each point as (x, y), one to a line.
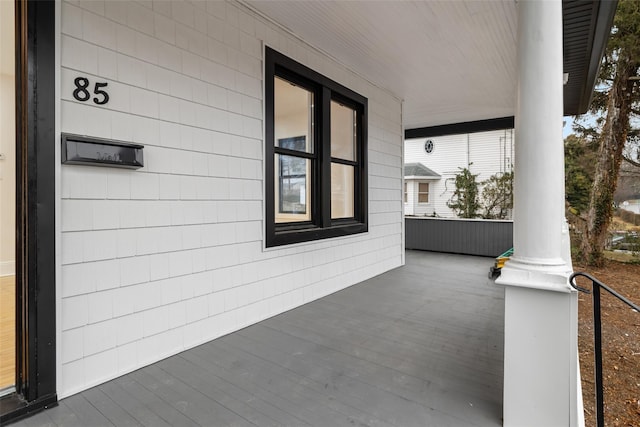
(423, 192)
(315, 155)
(406, 196)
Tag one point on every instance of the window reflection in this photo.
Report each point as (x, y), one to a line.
(343, 131)
(341, 191)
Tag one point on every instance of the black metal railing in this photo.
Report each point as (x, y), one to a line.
(597, 337)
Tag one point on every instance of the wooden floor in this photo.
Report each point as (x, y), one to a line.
(7, 331)
(418, 346)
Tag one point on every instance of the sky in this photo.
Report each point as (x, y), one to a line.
(568, 123)
(567, 130)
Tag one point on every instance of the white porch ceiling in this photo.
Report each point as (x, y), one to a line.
(450, 61)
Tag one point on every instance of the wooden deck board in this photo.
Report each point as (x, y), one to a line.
(154, 403)
(237, 373)
(327, 369)
(276, 415)
(86, 413)
(187, 399)
(115, 413)
(417, 346)
(134, 407)
(208, 385)
(321, 407)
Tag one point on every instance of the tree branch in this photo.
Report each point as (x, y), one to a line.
(632, 162)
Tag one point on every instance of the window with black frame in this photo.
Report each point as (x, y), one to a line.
(316, 182)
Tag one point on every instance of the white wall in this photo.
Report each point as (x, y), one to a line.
(487, 152)
(7, 140)
(158, 260)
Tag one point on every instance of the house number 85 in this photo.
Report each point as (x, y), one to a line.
(82, 94)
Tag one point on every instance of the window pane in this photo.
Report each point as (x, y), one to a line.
(343, 131)
(423, 192)
(293, 116)
(292, 189)
(341, 191)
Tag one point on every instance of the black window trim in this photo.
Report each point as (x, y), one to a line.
(325, 90)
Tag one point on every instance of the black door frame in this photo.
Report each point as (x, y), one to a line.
(35, 212)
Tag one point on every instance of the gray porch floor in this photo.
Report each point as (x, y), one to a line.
(418, 346)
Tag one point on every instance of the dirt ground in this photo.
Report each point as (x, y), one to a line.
(620, 343)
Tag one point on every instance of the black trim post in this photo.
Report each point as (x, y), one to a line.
(324, 148)
(41, 144)
(597, 343)
(35, 209)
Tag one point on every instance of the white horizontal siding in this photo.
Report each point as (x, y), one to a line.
(166, 257)
(491, 153)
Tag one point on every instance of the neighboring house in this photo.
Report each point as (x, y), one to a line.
(272, 137)
(483, 153)
(419, 183)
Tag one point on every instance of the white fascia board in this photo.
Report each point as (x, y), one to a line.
(422, 178)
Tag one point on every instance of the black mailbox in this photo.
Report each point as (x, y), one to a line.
(83, 150)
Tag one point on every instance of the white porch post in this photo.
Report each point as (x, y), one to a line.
(540, 360)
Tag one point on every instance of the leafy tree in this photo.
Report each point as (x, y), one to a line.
(615, 102)
(497, 196)
(579, 165)
(464, 200)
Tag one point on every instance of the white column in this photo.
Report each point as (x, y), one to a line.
(540, 368)
(539, 161)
